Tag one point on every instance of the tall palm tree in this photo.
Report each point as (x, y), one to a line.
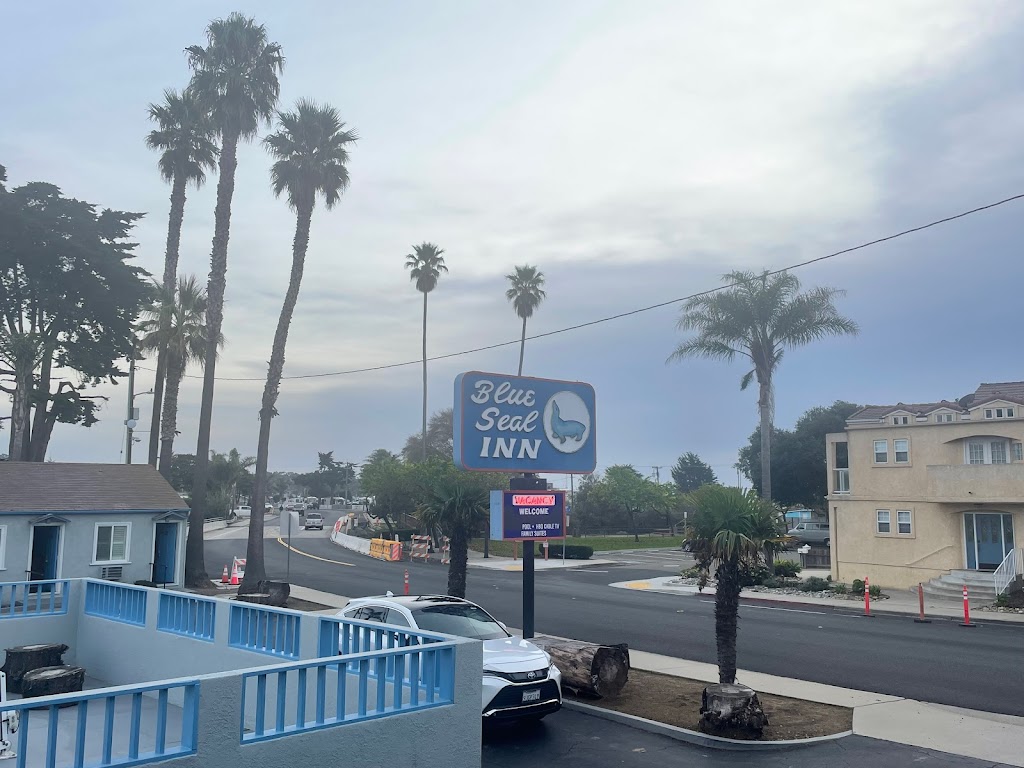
(177, 327)
(729, 528)
(310, 151)
(759, 316)
(235, 77)
(456, 507)
(526, 292)
(184, 138)
(425, 265)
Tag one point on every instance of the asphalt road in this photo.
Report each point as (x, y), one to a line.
(939, 662)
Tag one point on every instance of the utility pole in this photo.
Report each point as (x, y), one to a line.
(130, 418)
(657, 475)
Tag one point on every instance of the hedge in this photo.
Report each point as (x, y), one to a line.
(572, 552)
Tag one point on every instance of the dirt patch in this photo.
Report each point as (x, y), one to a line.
(676, 701)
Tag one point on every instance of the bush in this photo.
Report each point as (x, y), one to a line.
(874, 591)
(787, 568)
(773, 582)
(691, 573)
(754, 576)
(840, 589)
(1002, 600)
(813, 584)
(572, 551)
(857, 588)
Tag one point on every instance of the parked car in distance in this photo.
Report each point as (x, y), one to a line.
(243, 510)
(810, 532)
(519, 680)
(313, 520)
(295, 506)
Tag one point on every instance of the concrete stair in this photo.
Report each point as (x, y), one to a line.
(950, 586)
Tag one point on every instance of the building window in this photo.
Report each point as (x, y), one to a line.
(998, 450)
(882, 521)
(988, 413)
(988, 452)
(999, 413)
(943, 418)
(881, 451)
(112, 542)
(3, 546)
(975, 453)
(901, 451)
(903, 525)
(900, 420)
(1018, 451)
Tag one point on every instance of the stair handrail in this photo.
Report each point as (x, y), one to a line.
(1008, 570)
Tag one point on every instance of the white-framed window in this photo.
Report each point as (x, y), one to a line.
(1000, 413)
(988, 451)
(975, 452)
(988, 413)
(3, 547)
(1018, 453)
(882, 521)
(998, 450)
(900, 421)
(111, 542)
(881, 451)
(901, 451)
(943, 418)
(904, 526)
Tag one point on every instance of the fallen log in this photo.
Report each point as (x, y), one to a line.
(598, 670)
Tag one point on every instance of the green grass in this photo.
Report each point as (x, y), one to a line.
(597, 543)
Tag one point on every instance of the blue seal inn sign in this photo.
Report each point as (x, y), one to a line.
(521, 424)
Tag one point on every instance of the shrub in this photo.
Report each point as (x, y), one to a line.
(874, 591)
(572, 551)
(787, 568)
(840, 589)
(1002, 600)
(857, 588)
(773, 582)
(755, 576)
(813, 584)
(691, 573)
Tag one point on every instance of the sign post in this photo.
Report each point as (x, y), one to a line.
(519, 424)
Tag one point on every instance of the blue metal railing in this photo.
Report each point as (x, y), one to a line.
(265, 630)
(33, 598)
(186, 615)
(306, 696)
(123, 726)
(116, 602)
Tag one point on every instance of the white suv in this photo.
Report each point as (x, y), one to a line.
(519, 680)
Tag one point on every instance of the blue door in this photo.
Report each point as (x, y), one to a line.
(165, 553)
(45, 554)
(989, 537)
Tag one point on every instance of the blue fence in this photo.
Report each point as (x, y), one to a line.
(33, 598)
(116, 602)
(306, 696)
(344, 636)
(122, 726)
(185, 615)
(265, 630)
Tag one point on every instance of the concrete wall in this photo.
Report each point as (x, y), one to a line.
(77, 542)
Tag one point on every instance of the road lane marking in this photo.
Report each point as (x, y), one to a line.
(773, 608)
(284, 544)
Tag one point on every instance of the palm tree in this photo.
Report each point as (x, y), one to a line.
(759, 317)
(310, 150)
(729, 528)
(425, 265)
(184, 138)
(235, 77)
(177, 327)
(526, 292)
(457, 508)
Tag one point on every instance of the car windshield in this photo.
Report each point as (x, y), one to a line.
(459, 620)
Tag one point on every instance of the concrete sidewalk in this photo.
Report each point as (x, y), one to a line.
(495, 563)
(899, 602)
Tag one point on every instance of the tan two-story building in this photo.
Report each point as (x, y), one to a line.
(917, 491)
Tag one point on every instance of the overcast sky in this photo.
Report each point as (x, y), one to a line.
(633, 151)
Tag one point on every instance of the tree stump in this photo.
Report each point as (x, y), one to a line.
(259, 598)
(50, 681)
(729, 708)
(598, 670)
(279, 592)
(25, 658)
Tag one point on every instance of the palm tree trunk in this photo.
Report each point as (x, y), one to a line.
(423, 433)
(255, 568)
(169, 420)
(764, 405)
(522, 347)
(457, 567)
(174, 219)
(727, 607)
(195, 566)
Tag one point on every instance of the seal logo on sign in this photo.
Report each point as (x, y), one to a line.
(566, 422)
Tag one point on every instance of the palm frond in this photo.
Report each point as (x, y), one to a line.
(425, 265)
(526, 290)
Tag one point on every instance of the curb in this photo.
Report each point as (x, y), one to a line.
(696, 737)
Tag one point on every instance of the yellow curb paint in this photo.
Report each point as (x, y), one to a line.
(313, 557)
(638, 585)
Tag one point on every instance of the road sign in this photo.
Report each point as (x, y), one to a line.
(527, 515)
(522, 424)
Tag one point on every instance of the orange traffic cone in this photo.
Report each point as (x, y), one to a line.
(234, 574)
(224, 576)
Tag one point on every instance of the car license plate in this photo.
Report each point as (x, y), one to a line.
(533, 695)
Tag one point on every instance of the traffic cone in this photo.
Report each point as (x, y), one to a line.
(234, 574)
(224, 576)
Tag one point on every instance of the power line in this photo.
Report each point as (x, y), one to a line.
(629, 313)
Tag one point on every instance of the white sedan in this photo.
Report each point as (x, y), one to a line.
(519, 680)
